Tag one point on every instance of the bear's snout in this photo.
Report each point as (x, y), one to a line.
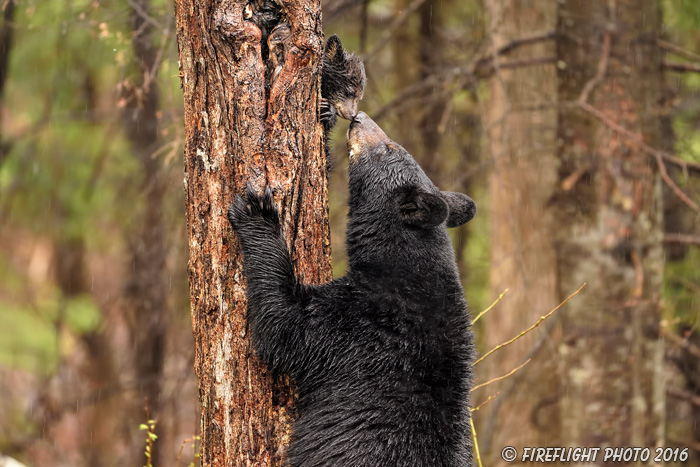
(364, 135)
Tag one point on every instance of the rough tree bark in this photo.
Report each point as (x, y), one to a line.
(522, 144)
(240, 128)
(609, 210)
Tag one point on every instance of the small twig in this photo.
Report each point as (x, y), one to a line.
(658, 155)
(684, 395)
(678, 50)
(404, 95)
(681, 238)
(487, 62)
(516, 43)
(476, 443)
(501, 377)
(491, 397)
(193, 439)
(389, 31)
(685, 344)
(681, 67)
(490, 306)
(542, 318)
(600, 73)
(144, 15)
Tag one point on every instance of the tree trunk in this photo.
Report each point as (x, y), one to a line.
(240, 128)
(609, 212)
(6, 35)
(522, 144)
(146, 288)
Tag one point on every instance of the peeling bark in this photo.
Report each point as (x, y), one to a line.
(237, 132)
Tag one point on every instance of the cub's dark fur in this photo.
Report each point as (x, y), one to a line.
(343, 76)
(381, 356)
(342, 87)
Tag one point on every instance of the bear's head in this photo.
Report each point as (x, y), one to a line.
(344, 78)
(392, 199)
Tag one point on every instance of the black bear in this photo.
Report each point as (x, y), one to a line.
(381, 356)
(342, 88)
(342, 83)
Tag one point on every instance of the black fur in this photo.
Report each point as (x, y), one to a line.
(342, 87)
(381, 356)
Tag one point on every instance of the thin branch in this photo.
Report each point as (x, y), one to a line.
(600, 72)
(476, 442)
(490, 306)
(389, 31)
(684, 395)
(405, 95)
(542, 318)
(486, 72)
(685, 344)
(658, 155)
(516, 43)
(501, 377)
(491, 397)
(681, 238)
(681, 67)
(678, 50)
(144, 15)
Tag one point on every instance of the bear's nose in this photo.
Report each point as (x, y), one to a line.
(358, 118)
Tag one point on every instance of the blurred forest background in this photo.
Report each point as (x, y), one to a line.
(574, 125)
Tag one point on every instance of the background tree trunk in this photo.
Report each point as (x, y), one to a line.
(146, 288)
(522, 144)
(238, 132)
(609, 212)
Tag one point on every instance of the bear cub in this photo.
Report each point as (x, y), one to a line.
(381, 356)
(343, 79)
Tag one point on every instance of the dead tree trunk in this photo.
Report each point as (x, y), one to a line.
(609, 210)
(240, 127)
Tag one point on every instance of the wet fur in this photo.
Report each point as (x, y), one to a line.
(381, 356)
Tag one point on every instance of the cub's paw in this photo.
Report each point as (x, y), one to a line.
(253, 211)
(329, 116)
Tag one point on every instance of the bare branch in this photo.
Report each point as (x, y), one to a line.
(681, 67)
(476, 443)
(678, 50)
(684, 395)
(658, 155)
(396, 24)
(490, 398)
(542, 318)
(685, 344)
(499, 378)
(600, 72)
(681, 238)
(490, 306)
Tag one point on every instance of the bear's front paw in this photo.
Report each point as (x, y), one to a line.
(329, 116)
(254, 211)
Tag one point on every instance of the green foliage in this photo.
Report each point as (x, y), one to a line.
(37, 335)
(151, 437)
(682, 289)
(681, 14)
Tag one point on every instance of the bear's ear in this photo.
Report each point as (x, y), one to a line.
(462, 208)
(420, 208)
(334, 49)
